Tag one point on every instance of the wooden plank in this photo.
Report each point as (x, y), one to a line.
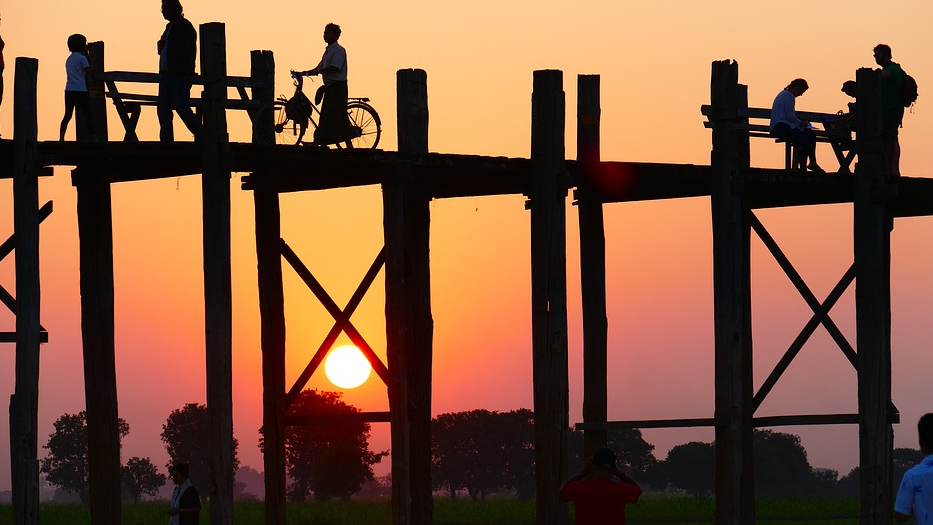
(10, 337)
(272, 342)
(218, 301)
(593, 258)
(549, 294)
(198, 80)
(758, 422)
(735, 495)
(409, 325)
(873, 307)
(24, 407)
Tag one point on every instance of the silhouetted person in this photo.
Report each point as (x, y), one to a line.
(77, 69)
(786, 126)
(185, 505)
(915, 496)
(334, 125)
(599, 499)
(2, 65)
(177, 50)
(892, 108)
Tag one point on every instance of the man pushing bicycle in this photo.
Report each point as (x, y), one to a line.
(334, 126)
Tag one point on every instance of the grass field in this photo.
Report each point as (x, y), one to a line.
(651, 510)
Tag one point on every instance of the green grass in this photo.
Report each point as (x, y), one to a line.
(651, 510)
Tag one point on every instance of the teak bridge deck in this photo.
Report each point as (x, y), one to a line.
(410, 178)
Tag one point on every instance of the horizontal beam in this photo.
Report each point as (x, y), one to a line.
(336, 419)
(10, 337)
(758, 422)
(153, 78)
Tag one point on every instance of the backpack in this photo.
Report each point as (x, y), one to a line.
(908, 89)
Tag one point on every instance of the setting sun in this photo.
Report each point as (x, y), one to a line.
(347, 367)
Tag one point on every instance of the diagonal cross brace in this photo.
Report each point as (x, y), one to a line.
(802, 288)
(7, 248)
(818, 316)
(8, 245)
(341, 319)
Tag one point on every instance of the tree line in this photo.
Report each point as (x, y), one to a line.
(474, 453)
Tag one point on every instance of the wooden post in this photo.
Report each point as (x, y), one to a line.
(549, 293)
(95, 234)
(218, 316)
(262, 70)
(409, 325)
(873, 306)
(95, 90)
(24, 404)
(593, 261)
(735, 494)
(272, 340)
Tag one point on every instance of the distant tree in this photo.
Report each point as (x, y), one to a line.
(140, 476)
(903, 460)
(66, 465)
(781, 465)
(328, 460)
(692, 467)
(187, 438)
(483, 451)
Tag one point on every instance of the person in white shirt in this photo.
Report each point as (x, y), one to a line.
(334, 125)
(185, 505)
(915, 495)
(785, 125)
(77, 68)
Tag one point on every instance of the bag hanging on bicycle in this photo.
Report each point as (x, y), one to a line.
(298, 108)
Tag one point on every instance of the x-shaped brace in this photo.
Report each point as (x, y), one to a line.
(820, 311)
(341, 320)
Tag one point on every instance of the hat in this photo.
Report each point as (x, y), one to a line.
(604, 457)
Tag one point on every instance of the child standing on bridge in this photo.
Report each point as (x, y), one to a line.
(77, 68)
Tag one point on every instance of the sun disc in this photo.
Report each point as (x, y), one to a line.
(347, 367)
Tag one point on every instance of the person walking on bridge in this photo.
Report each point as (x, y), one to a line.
(334, 125)
(177, 48)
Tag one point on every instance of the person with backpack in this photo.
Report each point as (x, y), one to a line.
(892, 108)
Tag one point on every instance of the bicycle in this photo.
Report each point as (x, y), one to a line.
(294, 114)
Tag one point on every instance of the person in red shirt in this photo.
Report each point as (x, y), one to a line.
(598, 498)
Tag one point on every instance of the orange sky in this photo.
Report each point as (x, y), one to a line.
(654, 61)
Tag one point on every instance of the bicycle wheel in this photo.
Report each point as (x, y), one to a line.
(366, 125)
(287, 131)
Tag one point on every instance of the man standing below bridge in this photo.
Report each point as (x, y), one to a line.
(598, 498)
(334, 125)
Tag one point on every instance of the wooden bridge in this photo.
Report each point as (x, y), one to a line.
(410, 178)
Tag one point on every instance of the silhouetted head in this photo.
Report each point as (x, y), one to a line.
(331, 33)
(882, 54)
(171, 9)
(178, 472)
(77, 43)
(798, 87)
(849, 87)
(604, 459)
(925, 431)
